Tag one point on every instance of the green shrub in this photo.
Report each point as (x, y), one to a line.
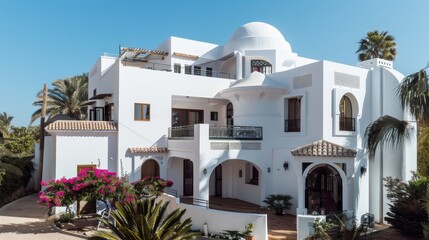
(24, 164)
(407, 211)
(11, 179)
(278, 202)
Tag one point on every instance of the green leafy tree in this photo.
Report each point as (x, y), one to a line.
(5, 124)
(21, 140)
(68, 96)
(146, 220)
(377, 45)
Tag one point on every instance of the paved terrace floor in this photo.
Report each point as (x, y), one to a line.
(25, 219)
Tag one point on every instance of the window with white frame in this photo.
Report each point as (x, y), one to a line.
(141, 112)
(177, 68)
(261, 66)
(293, 114)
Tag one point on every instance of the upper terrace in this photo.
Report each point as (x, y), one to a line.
(172, 62)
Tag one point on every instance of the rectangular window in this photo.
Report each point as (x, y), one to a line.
(94, 92)
(197, 70)
(141, 112)
(188, 69)
(177, 68)
(213, 116)
(293, 115)
(96, 114)
(209, 72)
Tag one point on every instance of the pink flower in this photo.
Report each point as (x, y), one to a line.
(43, 183)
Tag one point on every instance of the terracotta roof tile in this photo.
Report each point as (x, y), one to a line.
(74, 125)
(148, 149)
(324, 148)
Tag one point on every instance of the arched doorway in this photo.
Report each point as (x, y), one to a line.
(323, 189)
(150, 168)
(237, 179)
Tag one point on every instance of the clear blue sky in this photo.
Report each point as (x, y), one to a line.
(41, 41)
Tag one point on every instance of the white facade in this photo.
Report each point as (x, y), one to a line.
(290, 131)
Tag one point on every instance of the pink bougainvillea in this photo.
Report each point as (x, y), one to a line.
(98, 184)
(153, 186)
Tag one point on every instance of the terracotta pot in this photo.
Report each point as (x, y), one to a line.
(250, 238)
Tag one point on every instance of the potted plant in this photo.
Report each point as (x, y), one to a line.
(278, 203)
(248, 231)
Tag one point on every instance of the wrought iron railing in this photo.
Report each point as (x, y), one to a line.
(292, 125)
(169, 68)
(219, 132)
(182, 132)
(347, 124)
(235, 132)
(170, 191)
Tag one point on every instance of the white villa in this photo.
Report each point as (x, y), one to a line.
(241, 120)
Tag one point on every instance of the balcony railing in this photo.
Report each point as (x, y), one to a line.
(235, 132)
(347, 124)
(183, 70)
(182, 132)
(217, 132)
(292, 125)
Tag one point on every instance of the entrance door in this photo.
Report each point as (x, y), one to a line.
(218, 181)
(150, 168)
(324, 190)
(188, 177)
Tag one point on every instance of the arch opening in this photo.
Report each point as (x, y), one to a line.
(323, 190)
(150, 168)
(347, 118)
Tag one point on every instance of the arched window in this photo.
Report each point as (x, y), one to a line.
(347, 122)
(261, 66)
(229, 114)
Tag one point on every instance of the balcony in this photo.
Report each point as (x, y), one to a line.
(180, 70)
(292, 125)
(219, 132)
(347, 124)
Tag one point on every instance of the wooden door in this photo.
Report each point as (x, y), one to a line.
(188, 177)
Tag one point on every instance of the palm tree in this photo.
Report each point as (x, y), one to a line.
(68, 96)
(5, 124)
(377, 45)
(414, 96)
(146, 220)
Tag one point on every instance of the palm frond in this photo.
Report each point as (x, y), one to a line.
(146, 220)
(386, 130)
(413, 94)
(67, 96)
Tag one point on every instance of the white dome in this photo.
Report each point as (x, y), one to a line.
(257, 35)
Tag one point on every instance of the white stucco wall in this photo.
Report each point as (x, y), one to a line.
(73, 149)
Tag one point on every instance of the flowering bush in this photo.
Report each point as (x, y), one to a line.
(57, 193)
(89, 184)
(152, 186)
(99, 184)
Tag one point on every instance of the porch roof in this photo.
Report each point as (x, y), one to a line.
(148, 149)
(323, 148)
(75, 125)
